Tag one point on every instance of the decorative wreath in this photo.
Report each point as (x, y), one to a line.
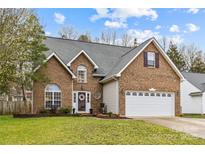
(81, 97)
(97, 95)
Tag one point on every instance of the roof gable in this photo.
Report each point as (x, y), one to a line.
(87, 56)
(129, 57)
(57, 57)
(103, 55)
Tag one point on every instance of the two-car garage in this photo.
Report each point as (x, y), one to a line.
(138, 103)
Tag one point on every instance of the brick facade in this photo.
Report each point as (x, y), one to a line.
(57, 74)
(138, 77)
(92, 84)
(134, 77)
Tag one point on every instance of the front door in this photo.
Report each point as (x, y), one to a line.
(81, 101)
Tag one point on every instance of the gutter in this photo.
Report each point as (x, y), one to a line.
(113, 77)
(195, 94)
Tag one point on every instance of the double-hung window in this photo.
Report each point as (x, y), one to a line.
(81, 74)
(52, 96)
(150, 59)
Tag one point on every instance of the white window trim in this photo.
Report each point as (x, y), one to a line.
(52, 98)
(85, 75)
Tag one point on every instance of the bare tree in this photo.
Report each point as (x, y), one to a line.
(192, 54)
(164, 43)
(108, 37)
(105, 37)
(68, 32)
(113, 37)
(97, 40)
(126, 40)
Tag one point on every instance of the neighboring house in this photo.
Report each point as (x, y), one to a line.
(193, 93)
(139, 81)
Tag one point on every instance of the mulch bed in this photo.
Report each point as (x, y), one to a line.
(43, 115)
(105, 116)
(101, 116)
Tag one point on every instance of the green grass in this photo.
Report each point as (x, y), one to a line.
(84, 130)
(193, 115)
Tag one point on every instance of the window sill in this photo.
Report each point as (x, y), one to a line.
(81, 82)
(151, 67)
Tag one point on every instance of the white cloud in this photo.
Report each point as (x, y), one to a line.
(59, 18)
(193, 11)
(101, 13)
(48, 33)
(121, 15)
(115, 24)
(158, 27)
(174, 28)
(192, 27)
(142, 35)
(133, 12)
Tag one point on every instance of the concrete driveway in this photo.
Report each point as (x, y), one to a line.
(192, 126)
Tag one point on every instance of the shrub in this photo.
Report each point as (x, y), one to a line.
(44, 111)
(53, 110)
(64, 110)
(109, 114)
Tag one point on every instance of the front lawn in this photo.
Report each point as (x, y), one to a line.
(84, 130)
(193, 115)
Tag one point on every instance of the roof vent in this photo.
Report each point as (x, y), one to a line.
(63, 36)
(135, 42)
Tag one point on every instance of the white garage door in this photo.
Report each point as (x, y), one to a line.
(149, 103)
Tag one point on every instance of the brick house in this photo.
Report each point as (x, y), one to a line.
(138, 81)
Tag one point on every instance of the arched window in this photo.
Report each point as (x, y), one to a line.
(52, 96)
(82, 74)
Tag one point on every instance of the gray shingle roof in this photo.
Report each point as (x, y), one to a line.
(111, 59)
(197, 79)
(105, 56)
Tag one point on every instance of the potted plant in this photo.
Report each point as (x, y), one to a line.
(91, 111)
(73, 110)
(102, 105)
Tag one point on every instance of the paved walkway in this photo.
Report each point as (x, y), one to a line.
(192, 126)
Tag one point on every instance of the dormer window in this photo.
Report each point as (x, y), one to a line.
(81, 74)
(151, 59)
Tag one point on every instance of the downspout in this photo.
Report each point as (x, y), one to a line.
(202, 110)
(72, 93)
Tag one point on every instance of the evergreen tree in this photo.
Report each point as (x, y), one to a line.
(198, 64)
(176, 57)
(84, 38)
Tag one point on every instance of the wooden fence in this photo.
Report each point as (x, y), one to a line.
(20, 107)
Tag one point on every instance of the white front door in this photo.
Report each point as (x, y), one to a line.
(149, 103)
(81, 101)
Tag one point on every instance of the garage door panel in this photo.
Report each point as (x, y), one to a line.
(149, 105)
